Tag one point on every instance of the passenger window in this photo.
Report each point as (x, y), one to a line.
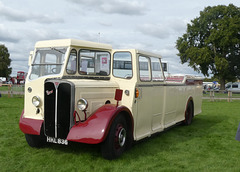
(144, 69)
(122, 65)
(72, 62)
(157, 74)
(93, 62)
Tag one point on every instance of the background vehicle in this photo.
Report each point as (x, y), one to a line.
(233, 87)
(2, 79)
(87, 92)
(21, 76)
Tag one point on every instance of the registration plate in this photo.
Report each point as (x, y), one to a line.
(57, 141)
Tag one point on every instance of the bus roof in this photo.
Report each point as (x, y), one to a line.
(71, 42)
(87, 44)
(140, 52)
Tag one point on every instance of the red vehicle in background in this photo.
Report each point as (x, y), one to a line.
(21, 76)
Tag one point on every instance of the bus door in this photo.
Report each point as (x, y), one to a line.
(150, 101)
(158, 94)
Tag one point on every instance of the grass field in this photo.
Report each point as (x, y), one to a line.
(4, 88)
(207, 145)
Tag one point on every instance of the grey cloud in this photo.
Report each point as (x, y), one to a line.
(11, 14)
(89, 36)
(154, 30)
(23, 16)
(46, 19)
(172, 27)
(178, 25)
(106, 24)
(8, 36)
(124, 7)
(34, 35)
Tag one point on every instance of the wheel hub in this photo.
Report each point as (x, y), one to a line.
(120, 137)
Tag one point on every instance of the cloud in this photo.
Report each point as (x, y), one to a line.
(166, 28)
(104, 23)
(46, 19)
(42, 34)
(154, 30)
(21, 41)
(124, 7)
(7, 35)
(11, 14)
(133, 45)
(178, 25)
(23, 16)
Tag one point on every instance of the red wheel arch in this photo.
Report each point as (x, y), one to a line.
(95, 129)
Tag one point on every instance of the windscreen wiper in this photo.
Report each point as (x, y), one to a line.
(57, 50)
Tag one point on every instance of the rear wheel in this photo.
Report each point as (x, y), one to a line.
(189, 113)
(116, 141)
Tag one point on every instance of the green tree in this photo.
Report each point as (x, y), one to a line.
(5, 62)
(211, 43)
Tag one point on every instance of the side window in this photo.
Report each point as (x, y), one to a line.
(164, 67)
(72, 62)
(144, 69)
(122, 65)
(157, 74)
(235, 86)
(93, 62)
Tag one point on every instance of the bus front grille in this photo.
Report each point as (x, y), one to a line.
(58, 108)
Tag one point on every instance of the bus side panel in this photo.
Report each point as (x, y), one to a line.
(198, 100)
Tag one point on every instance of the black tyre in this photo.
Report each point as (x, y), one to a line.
(117, 139)
(36, 140)
(189, 113)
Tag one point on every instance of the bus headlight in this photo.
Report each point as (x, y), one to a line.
(82, 104)
(36, 101)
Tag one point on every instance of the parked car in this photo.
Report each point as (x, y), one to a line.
(233, 87)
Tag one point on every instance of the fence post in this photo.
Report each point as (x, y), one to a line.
(8, 91)
(212, 95)
(11, 91)
(229, 96)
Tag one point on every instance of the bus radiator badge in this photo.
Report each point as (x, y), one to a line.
(49, 92)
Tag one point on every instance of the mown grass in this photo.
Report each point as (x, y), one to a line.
(4, 88)
(207, 145)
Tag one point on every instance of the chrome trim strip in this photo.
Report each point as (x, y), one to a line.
(56, 96)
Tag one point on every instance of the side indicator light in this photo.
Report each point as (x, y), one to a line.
(136, 93)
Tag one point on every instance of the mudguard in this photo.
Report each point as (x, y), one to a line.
(95, 129)
(30, 126)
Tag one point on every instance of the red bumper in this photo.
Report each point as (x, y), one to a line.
(30, 126)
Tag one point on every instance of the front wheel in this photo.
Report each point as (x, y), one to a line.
(36, 140)
(116, 141)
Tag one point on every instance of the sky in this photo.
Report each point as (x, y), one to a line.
(149, 25)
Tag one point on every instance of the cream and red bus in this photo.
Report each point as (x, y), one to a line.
(80, 91)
